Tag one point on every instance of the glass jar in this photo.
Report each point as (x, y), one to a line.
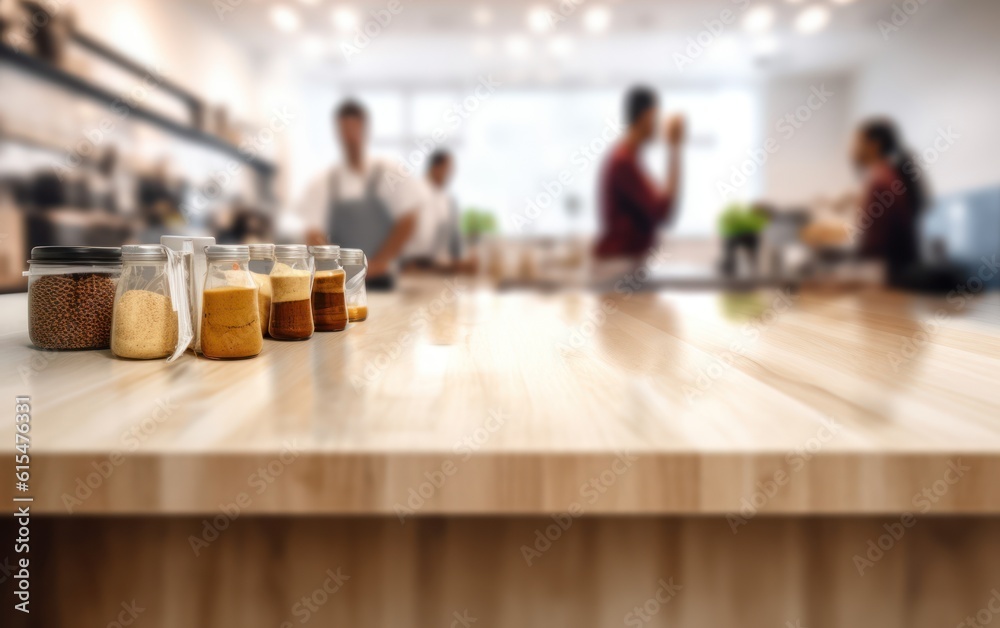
(230, 321)
(329, 304)
(71, 295)
(356, 269)
(261, 263)
(291, 293)
(152, 316)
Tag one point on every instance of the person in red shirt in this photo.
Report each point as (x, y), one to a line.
(632, 206)
(893, 199)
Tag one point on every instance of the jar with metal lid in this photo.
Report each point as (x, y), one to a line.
(230, 319)
(152, 313)
(329, 304)
(291, 293)
(71, 294)
(356, 269)
(261, 263)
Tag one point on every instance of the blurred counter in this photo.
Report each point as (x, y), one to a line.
(526, 396)
(625, 460)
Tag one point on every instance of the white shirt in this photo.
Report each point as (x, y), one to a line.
(400, 192)
(432, 236)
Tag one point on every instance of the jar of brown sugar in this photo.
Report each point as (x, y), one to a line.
(230, 319)
(71, 294)
(291, 293)
(328, 300)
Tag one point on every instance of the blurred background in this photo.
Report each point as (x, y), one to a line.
(121, 121)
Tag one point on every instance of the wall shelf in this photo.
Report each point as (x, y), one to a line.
(66, 80)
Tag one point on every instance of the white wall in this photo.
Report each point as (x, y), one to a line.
(811, 161)
(940, 70)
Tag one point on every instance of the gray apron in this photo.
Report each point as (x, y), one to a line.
(362, 223)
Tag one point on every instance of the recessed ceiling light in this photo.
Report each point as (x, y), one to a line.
(285, 18)
(482, 16)
(812, 19)
(759, 19)
(597, 19)
(517, 46)
(345, 19)
(539, 20)
(561, 46)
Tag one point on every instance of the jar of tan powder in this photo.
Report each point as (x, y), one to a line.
(230, 319)
(145, 324)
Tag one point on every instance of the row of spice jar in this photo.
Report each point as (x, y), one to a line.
(140, 301)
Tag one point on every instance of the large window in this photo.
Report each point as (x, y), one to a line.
(532, 156)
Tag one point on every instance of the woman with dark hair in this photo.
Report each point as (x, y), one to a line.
(892, 200)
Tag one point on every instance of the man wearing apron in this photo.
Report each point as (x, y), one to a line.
(367, 204)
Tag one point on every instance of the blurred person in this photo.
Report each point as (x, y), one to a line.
(632, 206)
(437, 238)
(365, 203)
(892, 200)
(888, 208)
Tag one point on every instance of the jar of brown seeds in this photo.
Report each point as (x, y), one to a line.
(71, 293)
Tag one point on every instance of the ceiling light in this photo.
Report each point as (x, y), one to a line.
(285, 18)
(345, 19)
(597, 19)
(812, 19)
(561, 46)
(539, 20)
(482, 16)
(517, 46)
(758, 19)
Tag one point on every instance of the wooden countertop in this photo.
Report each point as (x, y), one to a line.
(482, 402)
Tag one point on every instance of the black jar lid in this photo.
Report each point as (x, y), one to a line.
(93, 255)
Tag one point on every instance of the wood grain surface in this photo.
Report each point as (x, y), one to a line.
(849, 403)
(600, 572)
